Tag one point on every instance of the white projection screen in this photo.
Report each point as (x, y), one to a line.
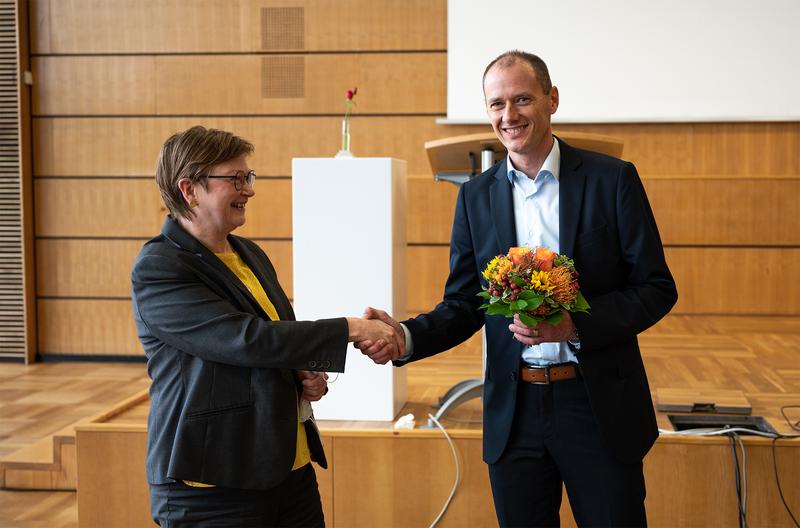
(617, 61)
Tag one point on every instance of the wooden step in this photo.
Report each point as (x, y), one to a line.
(50, 463)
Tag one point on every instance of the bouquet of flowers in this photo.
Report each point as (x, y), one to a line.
(538, 284)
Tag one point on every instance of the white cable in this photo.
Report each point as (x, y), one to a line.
(744, 477)
(458, 471)
(718, 432)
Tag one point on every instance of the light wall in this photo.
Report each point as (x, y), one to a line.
(112, 80)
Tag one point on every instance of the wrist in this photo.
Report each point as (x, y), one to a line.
(353, 328)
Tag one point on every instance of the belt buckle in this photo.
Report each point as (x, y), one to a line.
(546, 381)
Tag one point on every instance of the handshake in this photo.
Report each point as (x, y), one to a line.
(377, 335)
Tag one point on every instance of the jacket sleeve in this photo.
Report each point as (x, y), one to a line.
(647, 292)
(174, 306)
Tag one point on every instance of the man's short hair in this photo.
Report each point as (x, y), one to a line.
(192, 154)
(539, 67)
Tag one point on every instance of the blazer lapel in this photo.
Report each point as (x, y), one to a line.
(501, 204)
(271, 287)
(178, 236)
(571, 183)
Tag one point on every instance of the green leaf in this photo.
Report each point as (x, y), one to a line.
(580, 304)
(535, 302)
(555, 318)
(521, 305)
(485, 294)
(498, 309)
(527, 295)
(529, 320)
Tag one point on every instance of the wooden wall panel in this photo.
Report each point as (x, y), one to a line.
(427, 270)
(97, 268)
(725, 211)
(92, 327)
(693, 149)
(94, 85)
(215, 84)
(133, 208)
(430, 206)
(86, 208)
(85, 268)
(129, 147)
(172, 26)
(736, 281)
(103, 146)
(222, 84)
(689, 212)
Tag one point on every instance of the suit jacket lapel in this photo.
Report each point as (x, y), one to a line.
(571, 183)
(501, 204)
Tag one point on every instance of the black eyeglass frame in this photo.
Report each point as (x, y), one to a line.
(239, 180)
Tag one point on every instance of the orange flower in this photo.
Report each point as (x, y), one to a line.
(517, 254)
(564, 286)
(543, 259)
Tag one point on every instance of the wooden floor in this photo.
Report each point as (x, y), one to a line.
(757, 355)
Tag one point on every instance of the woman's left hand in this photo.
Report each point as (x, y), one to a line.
(315, 384)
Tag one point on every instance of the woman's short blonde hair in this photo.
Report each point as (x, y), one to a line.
(192, 154)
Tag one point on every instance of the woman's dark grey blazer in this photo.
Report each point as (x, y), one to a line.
(224, 392)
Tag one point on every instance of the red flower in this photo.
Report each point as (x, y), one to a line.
(351, 93)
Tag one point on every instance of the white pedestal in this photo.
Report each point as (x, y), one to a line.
(349, 244)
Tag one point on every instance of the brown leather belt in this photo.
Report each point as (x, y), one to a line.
(549, 374)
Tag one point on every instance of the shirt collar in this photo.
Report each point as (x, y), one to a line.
(552, 163)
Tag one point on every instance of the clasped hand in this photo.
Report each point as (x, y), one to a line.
(315, 384)
(380, 337)
(544, 332)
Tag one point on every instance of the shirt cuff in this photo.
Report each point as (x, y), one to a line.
(409, 343)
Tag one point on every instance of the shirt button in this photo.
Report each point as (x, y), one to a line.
(513, 376)
(312, 364)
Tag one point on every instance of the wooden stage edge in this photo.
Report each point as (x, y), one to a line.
(382, 477)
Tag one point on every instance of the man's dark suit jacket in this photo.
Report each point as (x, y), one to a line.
(607, 227)
(224, 393)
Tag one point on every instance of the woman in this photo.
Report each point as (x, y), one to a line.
(230, 436)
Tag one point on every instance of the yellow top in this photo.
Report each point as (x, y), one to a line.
(245, 274)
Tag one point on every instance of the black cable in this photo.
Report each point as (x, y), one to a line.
(737, 480)
(796, 425)
(778, 480)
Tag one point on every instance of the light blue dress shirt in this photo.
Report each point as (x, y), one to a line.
(537, 222)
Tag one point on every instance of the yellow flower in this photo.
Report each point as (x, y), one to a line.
(540, 281)
(496, 268)
(489, 272)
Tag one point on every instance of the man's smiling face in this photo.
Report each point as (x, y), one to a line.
(518, 108)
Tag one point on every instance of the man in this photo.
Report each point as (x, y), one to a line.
(569, 402)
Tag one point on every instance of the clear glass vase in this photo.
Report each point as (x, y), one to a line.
(345, 151)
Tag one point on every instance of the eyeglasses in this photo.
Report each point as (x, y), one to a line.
(240, 179)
